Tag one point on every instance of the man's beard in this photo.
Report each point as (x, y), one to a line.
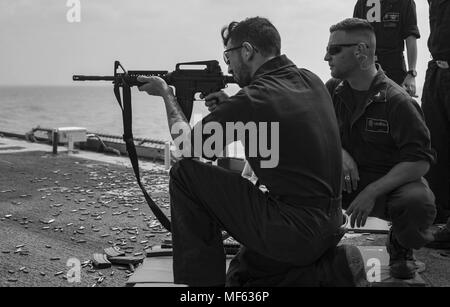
(243, 78)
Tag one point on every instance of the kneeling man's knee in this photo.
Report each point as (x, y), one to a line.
(412, 215)
(422, 202)
(417, 198)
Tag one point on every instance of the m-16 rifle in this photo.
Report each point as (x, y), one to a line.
(187, 83)
(186, 80)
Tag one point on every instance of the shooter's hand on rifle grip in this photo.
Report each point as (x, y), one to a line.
(155, 86)
(214, 99)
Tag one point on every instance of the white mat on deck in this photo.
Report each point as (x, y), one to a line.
(157, 271)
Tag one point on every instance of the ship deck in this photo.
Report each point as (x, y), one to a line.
(55, 209)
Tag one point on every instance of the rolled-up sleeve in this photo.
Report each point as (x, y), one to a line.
(409, 131)
(410, 27)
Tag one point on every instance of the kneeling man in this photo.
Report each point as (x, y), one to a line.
(386, 145)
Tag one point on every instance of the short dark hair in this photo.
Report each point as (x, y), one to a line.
(258, 31)
(352, 25)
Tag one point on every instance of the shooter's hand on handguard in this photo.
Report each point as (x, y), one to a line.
(214, 99)
(155, 86)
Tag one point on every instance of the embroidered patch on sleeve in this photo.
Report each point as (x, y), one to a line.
(377, 125)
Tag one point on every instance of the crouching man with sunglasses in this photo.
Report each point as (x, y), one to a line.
(385, 145)
(288, 235)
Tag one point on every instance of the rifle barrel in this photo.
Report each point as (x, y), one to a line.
(92, 78)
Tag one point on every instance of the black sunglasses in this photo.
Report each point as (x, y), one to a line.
(336, 49)
(225, 54)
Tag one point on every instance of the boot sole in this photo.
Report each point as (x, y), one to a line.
(401, 274)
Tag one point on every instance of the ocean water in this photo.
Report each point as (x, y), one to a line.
(94, 108)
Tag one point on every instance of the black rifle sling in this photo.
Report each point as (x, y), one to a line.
(128, 138)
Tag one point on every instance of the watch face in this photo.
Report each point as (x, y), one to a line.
(412, 73)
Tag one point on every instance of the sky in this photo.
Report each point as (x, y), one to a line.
(39, 46)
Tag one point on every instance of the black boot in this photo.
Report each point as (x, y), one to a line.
(401, 263)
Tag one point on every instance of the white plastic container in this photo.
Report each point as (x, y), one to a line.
(70, 135)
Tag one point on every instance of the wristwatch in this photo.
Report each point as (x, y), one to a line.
(412, 72)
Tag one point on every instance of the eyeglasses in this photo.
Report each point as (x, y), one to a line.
(336, 49)
(225, 54)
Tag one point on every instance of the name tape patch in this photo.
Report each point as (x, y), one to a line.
(377, 125)
(391, 20)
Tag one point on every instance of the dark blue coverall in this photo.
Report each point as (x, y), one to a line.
(294, 224)
(436, 103)
(388, 129)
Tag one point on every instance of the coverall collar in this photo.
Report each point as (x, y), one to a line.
(376, 93)
(273, 65)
